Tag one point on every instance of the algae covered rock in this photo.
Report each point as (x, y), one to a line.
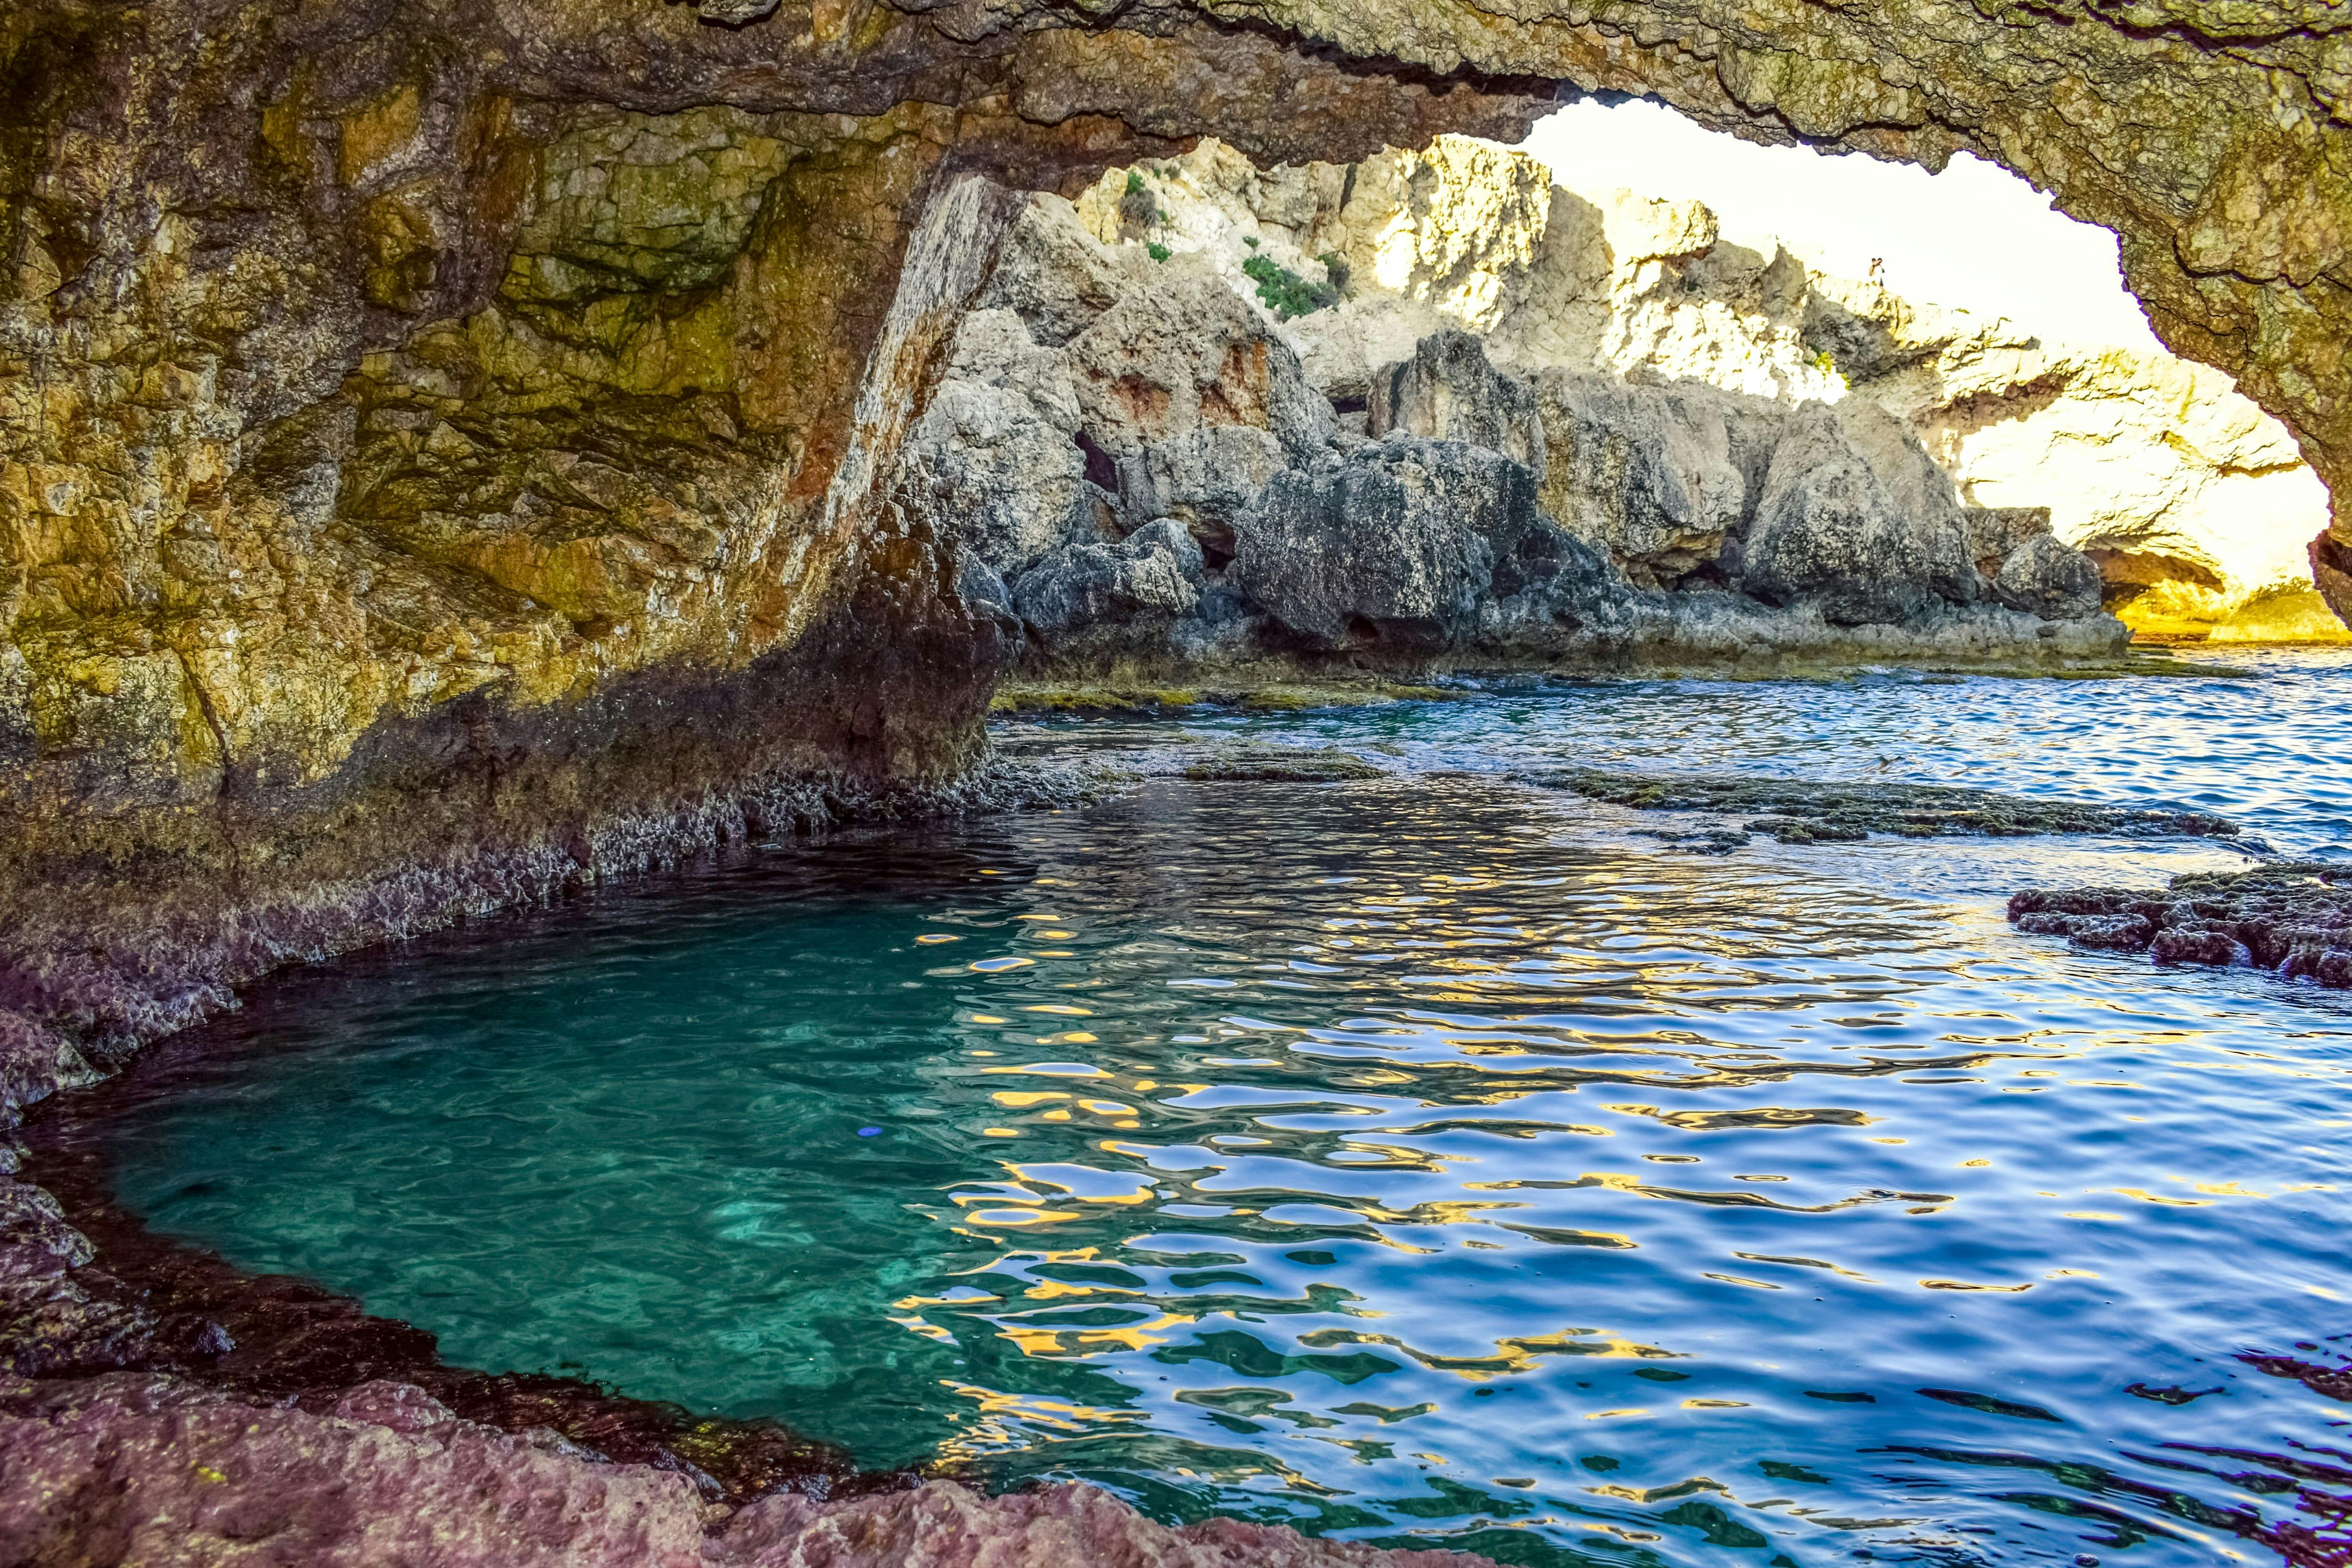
(1280, 764)
(2294, 918)
(1807, 811)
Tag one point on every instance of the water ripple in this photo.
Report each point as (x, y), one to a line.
(1420, 1159)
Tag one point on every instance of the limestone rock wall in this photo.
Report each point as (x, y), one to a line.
(442, 446)
(1130, 442)
(2195, 504)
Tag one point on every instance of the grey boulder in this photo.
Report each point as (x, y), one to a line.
(1397, 546)
(2047, 577)
(1449, 392)
(1090, 598)
(1865, 543)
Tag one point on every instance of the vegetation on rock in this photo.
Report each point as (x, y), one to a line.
(1284, 292)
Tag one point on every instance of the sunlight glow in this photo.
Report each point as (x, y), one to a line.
(1975, 237)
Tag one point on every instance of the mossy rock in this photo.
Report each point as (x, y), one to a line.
(1094, 701)
(1803, 811)
(1280, 764)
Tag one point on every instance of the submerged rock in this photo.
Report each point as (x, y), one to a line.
(1280, 764)
(1808, 811)
(2295, 918)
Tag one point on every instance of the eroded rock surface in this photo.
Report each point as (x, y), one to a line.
(152, 1470)
(2294, 918)
(1483, 517)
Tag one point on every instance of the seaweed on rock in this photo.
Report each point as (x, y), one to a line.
(1811, 811)
(2293, 917)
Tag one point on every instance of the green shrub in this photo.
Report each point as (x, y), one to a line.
(1250, 240)
(1157, 251)
(1137, 207)
(1284, 292)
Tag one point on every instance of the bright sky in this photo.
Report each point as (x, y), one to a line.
(1975, 235)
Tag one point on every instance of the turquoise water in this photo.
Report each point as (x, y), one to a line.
(1432, 1158)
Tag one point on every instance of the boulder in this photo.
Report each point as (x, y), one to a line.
(1181, 351)
(1651, 474)
(1397, 546)
(1994, 530)
(1449, 392)
(1086, 599)
(1833, 529)
(2047, 577)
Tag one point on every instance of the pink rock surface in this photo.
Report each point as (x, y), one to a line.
(131, 1469)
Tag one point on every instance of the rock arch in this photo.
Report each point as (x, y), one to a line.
(429, 431)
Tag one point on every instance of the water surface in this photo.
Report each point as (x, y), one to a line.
(1429, 1159)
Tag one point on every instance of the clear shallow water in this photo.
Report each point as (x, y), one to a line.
(1430, 1158)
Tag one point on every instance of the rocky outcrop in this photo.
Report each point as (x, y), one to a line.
(2189, 498)
(2293, 918)
(1480, 519)
(2193, 503)
(1411, 547)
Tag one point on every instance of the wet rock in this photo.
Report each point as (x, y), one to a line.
(1093, 597)
(1398, 544)
(1447, 391)
(35, 1063)
(2295, 918)
(1280, 764)
(149, 1468)
(33, 1225)
(1806, 811)
(54, 1325)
